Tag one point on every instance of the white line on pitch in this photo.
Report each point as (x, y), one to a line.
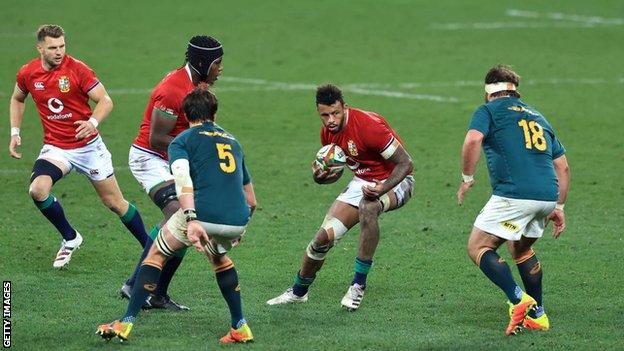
(558, 16)
(253, 84)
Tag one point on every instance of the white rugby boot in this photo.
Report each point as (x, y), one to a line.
(352, 299)
(287, 297)
(64, 254)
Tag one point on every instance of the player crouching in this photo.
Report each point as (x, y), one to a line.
(216, 199)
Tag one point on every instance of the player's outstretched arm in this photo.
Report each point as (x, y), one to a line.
(103, 107)
(160, 127)
(471, 152)
(562, 170)
(16, 115)
(403, 167)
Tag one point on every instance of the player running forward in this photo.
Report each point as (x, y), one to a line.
(530, 178)
(382, 182)
(163, 120)
(216, 198)
(61, 87)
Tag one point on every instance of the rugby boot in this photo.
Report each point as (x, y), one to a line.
(352, 299)
(287, 296)
(115, 329)
(539, 323)
(518, 312)
(242, 334)
(126, 291)
(64, 254)
(163, 302)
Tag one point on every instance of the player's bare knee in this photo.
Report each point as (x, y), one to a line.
(38, 191)
(115, 204)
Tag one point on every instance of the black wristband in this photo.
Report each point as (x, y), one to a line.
(190, 214)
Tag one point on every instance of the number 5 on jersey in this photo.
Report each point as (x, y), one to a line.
(225, 154)
(533, 135)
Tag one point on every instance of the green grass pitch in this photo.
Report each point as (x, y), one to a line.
(418, 63)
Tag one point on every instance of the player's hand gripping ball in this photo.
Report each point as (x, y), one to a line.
(331, 159)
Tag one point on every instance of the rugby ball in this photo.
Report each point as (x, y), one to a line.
(331, 158)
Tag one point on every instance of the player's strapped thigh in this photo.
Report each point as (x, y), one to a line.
(164, 195)
(175, 231)
(167, 243)
(402, 192)
(222, 237)
(43, 167)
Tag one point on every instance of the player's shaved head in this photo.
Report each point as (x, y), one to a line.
(49, 30)
(328, 94)
(503, 74)
(200, 105)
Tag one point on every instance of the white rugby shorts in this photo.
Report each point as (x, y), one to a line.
(222, 236)
(94, 160)
(511, 219)
(148, 168)
(353, 194)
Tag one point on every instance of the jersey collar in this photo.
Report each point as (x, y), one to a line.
(188, 71)
(346, 118)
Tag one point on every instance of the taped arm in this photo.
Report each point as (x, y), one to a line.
(160, 127)
(183, 183)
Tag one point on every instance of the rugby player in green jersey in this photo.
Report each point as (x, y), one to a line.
(530, 176)
(216, 202)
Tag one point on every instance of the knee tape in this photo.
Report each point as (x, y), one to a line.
(334, 228)
(162, 245)
(45, 167)
(165, 195)
(384, 200)
(317, 252)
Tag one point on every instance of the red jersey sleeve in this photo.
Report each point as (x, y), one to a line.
(168, 103)
(378, 136)
(20, 79)
(87, 77)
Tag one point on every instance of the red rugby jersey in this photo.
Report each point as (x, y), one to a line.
(167, 96)
(364, 136)
(61, 98)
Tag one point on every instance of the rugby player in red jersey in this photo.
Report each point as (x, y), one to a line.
(163, 120)
(382, 182)
(61, 87)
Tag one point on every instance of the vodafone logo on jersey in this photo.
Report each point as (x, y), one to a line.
(56, 106)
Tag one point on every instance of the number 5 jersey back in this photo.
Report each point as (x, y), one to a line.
(218, 171)
(520, 146)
